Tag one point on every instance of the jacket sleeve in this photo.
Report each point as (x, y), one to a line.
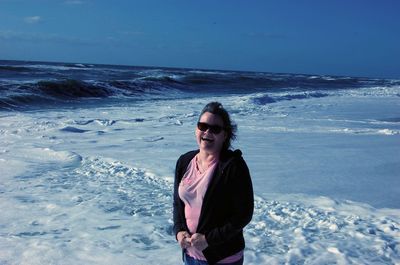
(242, 199)
(178, 211)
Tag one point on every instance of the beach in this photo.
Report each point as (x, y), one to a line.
(88, 152)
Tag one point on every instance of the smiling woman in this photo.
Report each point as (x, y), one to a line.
(213, 194)
(88, 180)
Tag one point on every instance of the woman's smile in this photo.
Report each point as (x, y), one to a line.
(207, 139)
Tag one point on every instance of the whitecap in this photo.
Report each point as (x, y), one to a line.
(388, 132)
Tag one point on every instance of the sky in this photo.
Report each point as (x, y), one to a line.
(327, 37)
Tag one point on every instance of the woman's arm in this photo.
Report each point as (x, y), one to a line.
(242, 200)
(177, 203)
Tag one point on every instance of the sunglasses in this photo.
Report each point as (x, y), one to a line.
(214, 129)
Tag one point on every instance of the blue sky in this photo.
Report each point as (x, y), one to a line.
(336, 37)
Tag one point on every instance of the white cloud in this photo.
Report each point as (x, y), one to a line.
(74, 2)
(33, 19)
(32, 37)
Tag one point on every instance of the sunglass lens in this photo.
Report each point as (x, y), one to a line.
(202, 126)
(215, 129)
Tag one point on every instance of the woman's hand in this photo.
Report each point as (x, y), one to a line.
(199, 241)
(183, 239)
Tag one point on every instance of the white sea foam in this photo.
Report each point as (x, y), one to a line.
(388, 132)
(56, 67)
(123, 214)
(94, 186)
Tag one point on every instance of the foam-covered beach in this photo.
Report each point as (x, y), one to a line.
(87, 157)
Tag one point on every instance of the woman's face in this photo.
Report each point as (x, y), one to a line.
(207, 140)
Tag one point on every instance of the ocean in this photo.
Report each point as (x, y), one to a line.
(88, 152)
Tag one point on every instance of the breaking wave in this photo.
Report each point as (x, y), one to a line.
(30, 85)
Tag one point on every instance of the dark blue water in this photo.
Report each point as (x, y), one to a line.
(29, 85)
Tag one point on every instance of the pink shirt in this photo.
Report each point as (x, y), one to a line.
(192, 189)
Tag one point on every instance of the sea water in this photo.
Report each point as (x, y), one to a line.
(88, 152)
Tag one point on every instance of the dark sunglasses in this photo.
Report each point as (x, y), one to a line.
(214, 129)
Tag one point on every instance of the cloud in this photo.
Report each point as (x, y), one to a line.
(74, 2)
(40, 38)
(33, 19)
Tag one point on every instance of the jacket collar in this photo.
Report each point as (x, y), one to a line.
(227, 156)
(224, 160)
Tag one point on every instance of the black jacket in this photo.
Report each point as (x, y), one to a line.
(227, 207)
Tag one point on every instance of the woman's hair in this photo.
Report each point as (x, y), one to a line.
(230, 127)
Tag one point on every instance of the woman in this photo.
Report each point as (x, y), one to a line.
(213, 194)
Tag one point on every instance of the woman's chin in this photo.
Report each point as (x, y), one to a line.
(209, 148)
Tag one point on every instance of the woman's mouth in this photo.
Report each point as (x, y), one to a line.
(207, 139)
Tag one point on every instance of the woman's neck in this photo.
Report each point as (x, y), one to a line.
(204, 160)
(208, 156)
